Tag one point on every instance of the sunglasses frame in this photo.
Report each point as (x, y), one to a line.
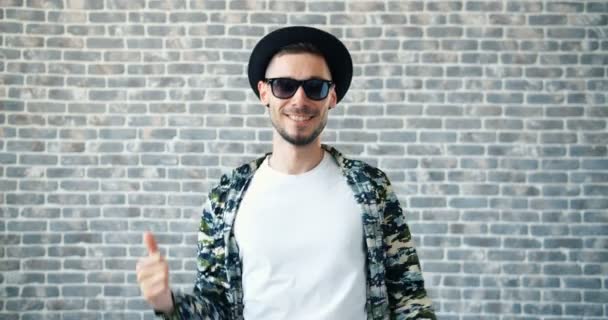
(300, 84)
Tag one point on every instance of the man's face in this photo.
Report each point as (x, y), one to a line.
(298, 120)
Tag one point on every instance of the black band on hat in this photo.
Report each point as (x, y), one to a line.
(335, 53)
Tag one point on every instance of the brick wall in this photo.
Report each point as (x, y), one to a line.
(490, 118)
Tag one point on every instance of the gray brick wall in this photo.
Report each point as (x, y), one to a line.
(489, 116)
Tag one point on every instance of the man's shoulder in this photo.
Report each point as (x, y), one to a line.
(239, 175)
(360, 169)
(368, 168)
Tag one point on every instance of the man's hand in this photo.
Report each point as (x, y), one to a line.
(153, 277)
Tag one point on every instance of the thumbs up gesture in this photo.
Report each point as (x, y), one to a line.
(153, 277)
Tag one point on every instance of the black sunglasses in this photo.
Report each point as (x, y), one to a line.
(285, 88)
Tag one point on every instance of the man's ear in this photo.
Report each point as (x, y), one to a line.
(333, 98)
(263, 90)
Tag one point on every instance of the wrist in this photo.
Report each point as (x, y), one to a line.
(166, 305)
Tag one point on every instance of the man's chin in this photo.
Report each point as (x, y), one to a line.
(299, 141)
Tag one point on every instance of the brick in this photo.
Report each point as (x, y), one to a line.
(442, 267)
(522, 268)
(463, 71)
(582, 283)
(549, 256)
(561, 191)
(24, 198)
(24, 67)
(449, 84)
(562, 243)
(544, 309)
(443, 32)
(594, 296)
(586, 151)
(44, 29)
(474, 32)
(16, 146)
(589, 257)
(420, 44)
(11, 27)
(465, 254)
(412, 6)
(547, 19)
(468, 203)
(307, 19)
(67, 251)
(583, 230)
(428, 19)
(586, 124)
(560, 269)
(479, 58)
(104, 43)
(105, 277)
(12, 79)
(506, 255)
(67, 199)
(67, 68)
(69, 17)
(65, 305)
(88, 30)
(23, 305)
(120, 264)
(484, 6)
(471, 281)
(522, 243)
(24, 252)
(64, 172)
(548, 204)
(380, 44)
(481, 294)
(38, 185)
(577, 310)
(465, 97)
(24, 14)
(326, 6)
(25, 41)
(80, 291)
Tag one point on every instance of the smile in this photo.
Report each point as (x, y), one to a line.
(299, 118)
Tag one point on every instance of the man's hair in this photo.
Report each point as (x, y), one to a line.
(300, 47)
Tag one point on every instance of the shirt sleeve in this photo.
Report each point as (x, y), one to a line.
(208, 300)
(405, 285)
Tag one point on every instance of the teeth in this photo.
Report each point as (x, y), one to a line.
(299, 118)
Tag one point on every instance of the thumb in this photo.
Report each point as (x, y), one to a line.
(150, 243)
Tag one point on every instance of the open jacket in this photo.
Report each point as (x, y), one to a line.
(395, 287)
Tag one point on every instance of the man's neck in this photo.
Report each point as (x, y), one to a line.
(290, 159)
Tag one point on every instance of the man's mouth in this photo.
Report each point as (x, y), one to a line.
(299, 118)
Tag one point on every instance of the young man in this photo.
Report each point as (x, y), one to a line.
(303, 232)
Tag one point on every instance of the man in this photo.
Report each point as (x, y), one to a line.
(303, 232)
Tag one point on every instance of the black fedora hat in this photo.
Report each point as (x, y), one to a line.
(336, 55)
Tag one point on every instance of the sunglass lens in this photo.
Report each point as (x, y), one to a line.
(316, 89)
(284, 88)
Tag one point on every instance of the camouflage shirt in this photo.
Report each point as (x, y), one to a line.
(395, 287)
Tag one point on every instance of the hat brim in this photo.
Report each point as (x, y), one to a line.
(336, 55)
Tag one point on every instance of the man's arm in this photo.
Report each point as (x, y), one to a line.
(405, 285)
(208, 301)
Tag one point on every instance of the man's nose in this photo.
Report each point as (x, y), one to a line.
(299, 97)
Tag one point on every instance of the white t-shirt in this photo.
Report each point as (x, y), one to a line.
(301, 244)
